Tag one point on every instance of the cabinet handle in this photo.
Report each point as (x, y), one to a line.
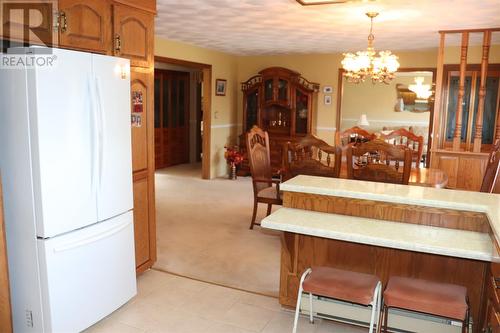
(64, 21)
(118, 43)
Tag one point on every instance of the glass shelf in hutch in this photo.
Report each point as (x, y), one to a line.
(280, 101)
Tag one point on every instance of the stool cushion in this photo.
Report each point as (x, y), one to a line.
(339, 284)
(440, 299)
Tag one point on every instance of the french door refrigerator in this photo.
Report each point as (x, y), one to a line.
(65, 160)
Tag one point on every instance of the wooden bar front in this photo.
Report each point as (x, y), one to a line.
(302, 251)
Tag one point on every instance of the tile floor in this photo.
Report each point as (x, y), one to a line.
(171, 304)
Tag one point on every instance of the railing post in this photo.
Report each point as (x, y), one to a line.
(461, 90)
(478, 135)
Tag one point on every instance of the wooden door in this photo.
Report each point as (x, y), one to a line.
(85, 24)
(133, 31)
(171, 118)
(141, 91)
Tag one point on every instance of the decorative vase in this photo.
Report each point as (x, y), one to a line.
(232, 174)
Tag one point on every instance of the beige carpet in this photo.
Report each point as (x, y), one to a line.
(202, 231)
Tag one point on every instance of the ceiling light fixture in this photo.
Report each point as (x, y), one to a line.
(423, 91)
(381, 68)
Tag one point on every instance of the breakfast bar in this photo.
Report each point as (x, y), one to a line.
(439, 235)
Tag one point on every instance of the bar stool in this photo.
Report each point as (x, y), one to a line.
(439, 299)
(359, 288)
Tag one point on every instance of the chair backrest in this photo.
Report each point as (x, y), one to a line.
(311, 156)
(353, 135)
(259, 154)
(404, 138)
(492, 174)
(379, 161)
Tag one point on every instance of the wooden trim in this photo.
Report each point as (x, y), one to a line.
(438, 98)
(340, 85)
(468, 30)
(207, 122)
(5, 305)
(482, 92)
(180, 62)
(461, 89)
(147, 5)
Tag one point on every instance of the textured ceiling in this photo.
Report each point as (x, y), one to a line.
(250, 27)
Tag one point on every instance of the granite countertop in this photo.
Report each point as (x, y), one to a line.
(404, 236)
(401, 194)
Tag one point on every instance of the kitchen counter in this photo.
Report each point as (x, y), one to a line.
(404, 236)
(489, 204)
(439, 235)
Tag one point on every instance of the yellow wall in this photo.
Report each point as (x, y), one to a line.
(224, 66)
(321, 68)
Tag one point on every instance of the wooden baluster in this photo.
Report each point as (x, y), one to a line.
(461, 90)
(478, 135)
(328, 159)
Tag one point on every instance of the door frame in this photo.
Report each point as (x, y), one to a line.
(207, 107)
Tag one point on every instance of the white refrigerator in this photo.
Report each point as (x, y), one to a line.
(65, 161)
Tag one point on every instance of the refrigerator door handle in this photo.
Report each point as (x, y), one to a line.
(101, 126)
(91, 239)
(95, 133)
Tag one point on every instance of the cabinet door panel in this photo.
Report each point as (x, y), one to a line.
(140, 85)
(87, 24)
(470, 173)
(141, 221)
(134, 29)
(450, 166)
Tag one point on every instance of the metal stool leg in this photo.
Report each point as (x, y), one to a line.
(375, 306)
(311, 318)
(299, 297)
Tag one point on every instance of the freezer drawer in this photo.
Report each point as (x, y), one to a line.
(87, 274)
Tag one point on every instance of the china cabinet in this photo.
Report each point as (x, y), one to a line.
(281, 102)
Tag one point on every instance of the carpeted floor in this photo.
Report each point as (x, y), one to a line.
(202, 231)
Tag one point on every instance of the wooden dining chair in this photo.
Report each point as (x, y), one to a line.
(352, 136)
(379, 161)
(260, 168)
(491, 179)
(311, 156)
(404, 138)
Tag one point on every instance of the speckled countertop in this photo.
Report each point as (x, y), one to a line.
(459, 243)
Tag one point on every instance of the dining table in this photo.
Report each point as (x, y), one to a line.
(428, 177)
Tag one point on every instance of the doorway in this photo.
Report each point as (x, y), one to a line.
(172, 118)
(170, 75)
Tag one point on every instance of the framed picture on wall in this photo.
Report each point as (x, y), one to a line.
(328, 99)
(220, 87)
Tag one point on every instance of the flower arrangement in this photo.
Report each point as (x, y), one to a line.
(233, 155)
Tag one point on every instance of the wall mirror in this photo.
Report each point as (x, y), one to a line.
(406, 102)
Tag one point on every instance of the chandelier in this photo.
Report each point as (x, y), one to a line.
(381, 67)
(423, 91)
